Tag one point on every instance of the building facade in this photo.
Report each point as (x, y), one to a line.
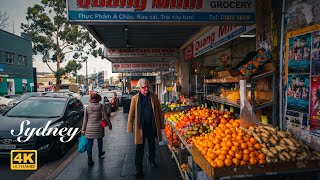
(16, 71)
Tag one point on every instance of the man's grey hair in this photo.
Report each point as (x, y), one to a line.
(142, 81)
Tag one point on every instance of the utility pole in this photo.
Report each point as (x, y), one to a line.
(87, 86)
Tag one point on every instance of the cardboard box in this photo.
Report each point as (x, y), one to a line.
(224, 74)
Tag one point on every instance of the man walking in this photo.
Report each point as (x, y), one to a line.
(146, 121)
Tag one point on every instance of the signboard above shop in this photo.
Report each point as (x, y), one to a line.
(139, 67)
(216, 37)
(141, 52)
(162, 11)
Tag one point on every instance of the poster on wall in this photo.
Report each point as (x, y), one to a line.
(315, 106)
(298, 93)
(315, 55)
(299, 54)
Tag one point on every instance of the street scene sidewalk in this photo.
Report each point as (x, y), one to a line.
(118, 162)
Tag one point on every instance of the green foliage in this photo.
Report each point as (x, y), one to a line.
(54, 37)
(72, 67)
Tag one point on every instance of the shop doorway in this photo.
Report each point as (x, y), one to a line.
(10, 86)
(24, 86)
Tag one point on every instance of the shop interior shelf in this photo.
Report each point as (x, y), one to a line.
(225, 80)
(221, 100)
(184, 142)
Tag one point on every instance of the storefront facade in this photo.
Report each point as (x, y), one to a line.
(16, 71)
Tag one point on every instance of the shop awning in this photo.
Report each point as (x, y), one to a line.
(2, 74)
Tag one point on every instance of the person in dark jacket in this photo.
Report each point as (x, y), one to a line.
(146, 121)
(91, 127)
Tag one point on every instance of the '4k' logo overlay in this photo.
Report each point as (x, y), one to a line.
(23, 160)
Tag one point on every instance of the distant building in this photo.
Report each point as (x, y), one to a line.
(16, 71)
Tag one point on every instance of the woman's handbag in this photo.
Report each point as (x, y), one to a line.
(83, 143)
(104, 123)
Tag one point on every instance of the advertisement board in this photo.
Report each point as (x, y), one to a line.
(144, 11)
(216, 37)
(141, 52)
(139, 67)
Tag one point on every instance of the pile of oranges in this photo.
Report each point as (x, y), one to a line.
(228, 145)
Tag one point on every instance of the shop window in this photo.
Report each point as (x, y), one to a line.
(22, 60)
(9, 58)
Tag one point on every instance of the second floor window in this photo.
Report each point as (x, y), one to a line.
(9, 58)
(22, 60)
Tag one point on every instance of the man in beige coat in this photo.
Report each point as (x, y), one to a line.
(145, 121)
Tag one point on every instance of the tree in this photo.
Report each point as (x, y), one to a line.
(4, 19)
(54, 37)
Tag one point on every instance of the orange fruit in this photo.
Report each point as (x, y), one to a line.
(250, 148)
(220, 163)
(229, 143)
(234, 149)
(210, 144)
(244, 146)
(232, 153)
(246, 151)
(262, 161)
(253, 140)
(262, 156)
(228, 162)
(246, 157)
(243, 163)
(237, 144)
(224, 152)
(214, 164)
(236, 124)
(222, 157)
(229, 156)
(257, 146)
(239, 155)
(253, 160)
(252, 154)
(217, 146)
(236, 161)
(223, 121)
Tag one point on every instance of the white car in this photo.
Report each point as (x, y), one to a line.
(4, 102)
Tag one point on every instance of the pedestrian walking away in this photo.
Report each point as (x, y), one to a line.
(92, 128)
(145, 119)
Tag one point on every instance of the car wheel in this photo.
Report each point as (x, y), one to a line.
(62, 149)
(3, 106)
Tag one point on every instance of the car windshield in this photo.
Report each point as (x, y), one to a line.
(37, 108)
(108, 95)
(27, 95)
(85, 99)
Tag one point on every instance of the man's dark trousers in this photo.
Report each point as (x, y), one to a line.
(148, 133)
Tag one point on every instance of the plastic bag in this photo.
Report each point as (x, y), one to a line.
(247, 115)
(83, 143)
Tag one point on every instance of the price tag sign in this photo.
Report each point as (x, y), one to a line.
(231, 109)
(211, 128)
(264, 120)
(205, 105)
(212, 108)
(222, 106)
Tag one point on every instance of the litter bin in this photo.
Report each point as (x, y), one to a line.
(126, 105)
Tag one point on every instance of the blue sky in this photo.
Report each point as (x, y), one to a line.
(17, 10)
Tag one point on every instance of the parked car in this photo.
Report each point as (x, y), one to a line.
(12, 96)
(113, 100)
(4, 102)
(25, 96)
(85, 101)
(120, 98)
(61, 111)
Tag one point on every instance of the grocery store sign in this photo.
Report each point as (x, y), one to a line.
(216, 37)
(144, 11)
(139, 67)
(141, 52)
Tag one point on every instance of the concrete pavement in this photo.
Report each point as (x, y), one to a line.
(118, 162)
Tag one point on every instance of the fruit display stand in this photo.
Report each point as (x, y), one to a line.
(256, 104)
(199, 162)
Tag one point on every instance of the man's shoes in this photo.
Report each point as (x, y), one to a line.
(139, 174)
(153, 164)
(90, 163)
(101, 154)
